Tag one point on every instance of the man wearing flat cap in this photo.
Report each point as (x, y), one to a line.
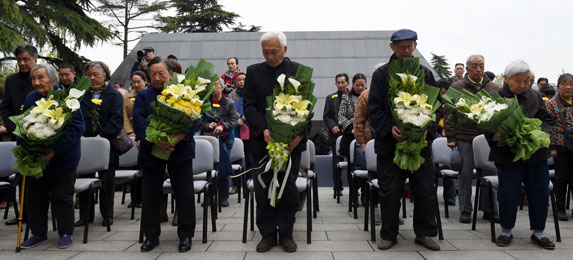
(391, 179)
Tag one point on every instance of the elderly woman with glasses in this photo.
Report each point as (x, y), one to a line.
(561, 109)
(533, 173)
(59, 177)
(102, 108)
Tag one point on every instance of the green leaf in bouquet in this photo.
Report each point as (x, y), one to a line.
(83, 85)
(57, 95)
(407, 156)
(29, 164)
(409, 66)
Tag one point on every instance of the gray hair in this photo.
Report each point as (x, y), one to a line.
(516, 67)
(475, 56)
(52, 73)
(272, 35)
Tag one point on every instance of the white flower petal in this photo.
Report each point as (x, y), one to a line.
(180, 78)
(295, 83)
(75, 93)
(281, 80)
(73, 104)
(203, 81)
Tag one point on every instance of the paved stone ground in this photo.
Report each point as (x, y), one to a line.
(336, 235)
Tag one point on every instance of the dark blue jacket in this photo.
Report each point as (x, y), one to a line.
(68, 148)
(184, 150)
(110, 117)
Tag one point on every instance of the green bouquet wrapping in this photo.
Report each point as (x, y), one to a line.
(495, 114)
(414, 104)
(179, 106)
(288, 112)
(40, 127)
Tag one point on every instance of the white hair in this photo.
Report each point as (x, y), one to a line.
(50, 70)
(274, 35)
(475, 56)
(516, 67)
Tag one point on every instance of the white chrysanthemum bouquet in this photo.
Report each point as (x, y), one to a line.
(413, 104)
(42, 125)
(288, 112)
(495, 114)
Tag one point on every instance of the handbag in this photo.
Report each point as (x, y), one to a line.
(121, 143)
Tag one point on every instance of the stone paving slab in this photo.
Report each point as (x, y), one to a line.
(336, 235)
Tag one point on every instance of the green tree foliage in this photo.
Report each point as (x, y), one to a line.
(62, 25)
(440, 65)
(200, 16)
(130, 18)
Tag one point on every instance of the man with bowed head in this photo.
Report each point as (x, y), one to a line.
(390, 177)
(259, 84)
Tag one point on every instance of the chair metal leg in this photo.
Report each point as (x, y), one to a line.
(308, 213)
(352, 191)
(439, 219)
(315, 193)
(124, 190)
(135, 193)
(492, 213)
(89, 213)
(366, 192)
(27, 232)
(205, 205)
(239, 194)
(555, 219)
(446, 211)
(141, 228)
(245, 216)
(213, 210)
(373, 192)
(476, 201)
(252, 211)
(355, 182)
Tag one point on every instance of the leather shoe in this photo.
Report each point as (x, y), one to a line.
(427, 243)
(562, 215)
(386, 244)
(465, 217)
(149, 244)
(543, 242)
(288, 244)
(80, 223)
(104, 222)
(185, 244)
(487, 216)
(266, 244)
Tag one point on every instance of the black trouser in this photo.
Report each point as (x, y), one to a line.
(106, 195)
(563, 177)
(61, 187)
(336, 173)
(181, 178)
(391, 180)
(283, 215)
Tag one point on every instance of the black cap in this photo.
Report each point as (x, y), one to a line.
(148, 49)
(403, 35)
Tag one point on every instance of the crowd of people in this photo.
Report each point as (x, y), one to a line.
(360, 113)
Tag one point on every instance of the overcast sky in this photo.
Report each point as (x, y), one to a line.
(537, 31)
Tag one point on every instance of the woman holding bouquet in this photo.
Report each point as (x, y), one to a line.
(102, 108)
(561, 147)
(346, 120)
(59, 177)
(533, 172)
(220, 122)
(179, 165)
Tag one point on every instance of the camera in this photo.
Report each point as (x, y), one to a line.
(229, 88)
(143, 53)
